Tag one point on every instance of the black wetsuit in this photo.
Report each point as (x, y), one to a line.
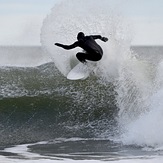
(92, 50)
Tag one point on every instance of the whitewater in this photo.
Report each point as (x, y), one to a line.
(115, 115)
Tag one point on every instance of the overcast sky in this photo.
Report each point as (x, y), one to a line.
(21, 20)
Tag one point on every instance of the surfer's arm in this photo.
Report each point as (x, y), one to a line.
(100, 37)
(67, 47)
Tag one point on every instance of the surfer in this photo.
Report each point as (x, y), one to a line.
(92, 51)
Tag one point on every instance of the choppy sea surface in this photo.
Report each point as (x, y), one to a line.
(46, 118)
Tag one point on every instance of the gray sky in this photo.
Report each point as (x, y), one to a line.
(21, 20)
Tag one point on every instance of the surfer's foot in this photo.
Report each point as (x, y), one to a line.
(84, 62)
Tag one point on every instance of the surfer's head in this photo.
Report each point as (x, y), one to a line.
(80, 36)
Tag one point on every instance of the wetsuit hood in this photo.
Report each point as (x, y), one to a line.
(80, 36)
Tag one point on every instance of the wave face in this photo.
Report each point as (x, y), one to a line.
(40, 104)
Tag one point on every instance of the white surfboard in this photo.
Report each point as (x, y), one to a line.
(80, 71)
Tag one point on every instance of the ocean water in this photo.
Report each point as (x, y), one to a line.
(115, 115)
(46, 118)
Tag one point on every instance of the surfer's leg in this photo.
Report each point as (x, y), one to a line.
(93, 56)
(81, 57)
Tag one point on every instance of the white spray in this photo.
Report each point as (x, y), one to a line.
(92, 17)
(146, 129)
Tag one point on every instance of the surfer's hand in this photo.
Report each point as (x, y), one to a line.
(58, 44)
(105, 39)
